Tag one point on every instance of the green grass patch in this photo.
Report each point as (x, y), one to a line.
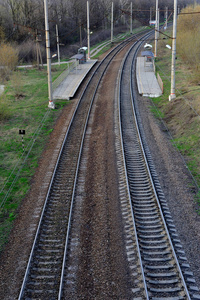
(24, 105)
(157, 113)
(197, 198)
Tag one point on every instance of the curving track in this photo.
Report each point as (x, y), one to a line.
(157, 263)
(163, 272)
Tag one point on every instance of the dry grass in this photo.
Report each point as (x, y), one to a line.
(188, 38)
(2, 35)
(8, 60)
(5, 112)
(182, 115)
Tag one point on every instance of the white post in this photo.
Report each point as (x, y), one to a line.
(173, 66)
(51, 104)
(88, 28)
(81, 35)
(58, 45)
(131, 24)
(112, 9)
(156, 30)
(158, 22)
(166, 17)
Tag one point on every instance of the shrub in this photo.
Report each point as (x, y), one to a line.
(8, 60)
(188, 31)
(5, 112)
(27, 52)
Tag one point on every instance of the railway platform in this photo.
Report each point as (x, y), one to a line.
(146, 80)
(69, 85)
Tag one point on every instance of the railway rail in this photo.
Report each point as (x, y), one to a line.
(155, 255)
(45, 269)
(158, 266)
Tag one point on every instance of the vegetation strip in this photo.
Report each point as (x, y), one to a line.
(181, 116)
(23, 106)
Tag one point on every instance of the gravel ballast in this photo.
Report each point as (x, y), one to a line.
(173, 176)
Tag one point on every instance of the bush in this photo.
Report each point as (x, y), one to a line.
(188, 30)
(8, 60)
(2, 35)
(5, 112)
(27, 52)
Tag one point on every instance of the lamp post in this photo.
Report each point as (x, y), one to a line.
(172, 94)
(51, 103)
(156, 30)
(58, 45)
(88, 28)
(166, 17)
(112, 8)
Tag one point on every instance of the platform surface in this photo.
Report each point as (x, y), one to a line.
(71, 83)
(146, 80)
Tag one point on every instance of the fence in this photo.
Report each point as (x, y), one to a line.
(64, 74)
(160, 82)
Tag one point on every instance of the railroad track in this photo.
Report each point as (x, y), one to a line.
(45, 269)
(157, 262)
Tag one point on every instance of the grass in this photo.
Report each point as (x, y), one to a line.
(182, 114)
(24, 105)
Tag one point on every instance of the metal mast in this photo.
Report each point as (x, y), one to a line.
(112, 8)
(51, 104)
(173, 66)
(58, 44)
(88, 28)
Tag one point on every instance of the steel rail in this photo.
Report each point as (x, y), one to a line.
(152, 182)
(77, 170)
(125, 167)
(149, 174)
(52, 179)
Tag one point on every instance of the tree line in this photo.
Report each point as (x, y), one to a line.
(22, 21)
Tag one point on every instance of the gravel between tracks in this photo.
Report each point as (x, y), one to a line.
(174, 180)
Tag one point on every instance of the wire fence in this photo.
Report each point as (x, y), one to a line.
(70, 66)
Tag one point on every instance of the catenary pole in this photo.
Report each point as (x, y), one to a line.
(88, 28)
(150, 15)
(58, 44)
(131, 25)
(51, 103)
(81, 43)
(173, 65)
(156, 30)
(112, 9)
